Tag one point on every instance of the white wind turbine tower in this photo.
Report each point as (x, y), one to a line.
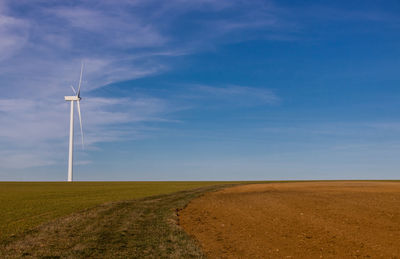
(77, 98)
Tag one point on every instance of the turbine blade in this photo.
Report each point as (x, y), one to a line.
(73, 89)
(80, 81)
(80, 120)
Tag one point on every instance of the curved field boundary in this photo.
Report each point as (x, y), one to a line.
(25, 205)
(142, 228)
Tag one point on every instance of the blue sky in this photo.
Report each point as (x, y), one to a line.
(201, 89)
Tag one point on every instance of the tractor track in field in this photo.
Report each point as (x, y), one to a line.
(142, 228)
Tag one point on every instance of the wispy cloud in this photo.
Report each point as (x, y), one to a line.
(114, 28)
(33, 131)
(119, 40)
(41, 48)
(13, 35)
(238, 95)
(21, 159)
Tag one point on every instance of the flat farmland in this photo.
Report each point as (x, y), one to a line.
(343, 219)
(25, 205)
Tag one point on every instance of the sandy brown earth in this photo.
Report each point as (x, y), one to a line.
(298, 220)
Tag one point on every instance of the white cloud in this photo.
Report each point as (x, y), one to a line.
(120, 29)
(40, 54)
(239, 95)
(13, 35)
(36, 132)
(20, 159)
(119, 40)
(82, 18)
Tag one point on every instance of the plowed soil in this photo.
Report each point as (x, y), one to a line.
(298, 220)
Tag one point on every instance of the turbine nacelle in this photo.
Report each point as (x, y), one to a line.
(72, 98)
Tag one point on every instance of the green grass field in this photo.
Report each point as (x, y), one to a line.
(139, 228)
(25, 205)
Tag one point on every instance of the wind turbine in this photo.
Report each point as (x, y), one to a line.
(77, 98)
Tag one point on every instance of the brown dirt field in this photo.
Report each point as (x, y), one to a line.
(298, 220)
